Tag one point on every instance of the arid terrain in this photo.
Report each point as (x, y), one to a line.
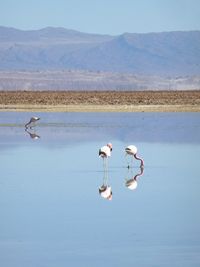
(100, 101)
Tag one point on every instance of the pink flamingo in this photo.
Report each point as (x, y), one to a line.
(105, 151)
(132, 151)
(32, 122)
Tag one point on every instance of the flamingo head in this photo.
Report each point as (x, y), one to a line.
(131, 150)
(110, 146)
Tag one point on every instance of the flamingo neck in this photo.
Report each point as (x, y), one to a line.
(141, 160)
(139, 174)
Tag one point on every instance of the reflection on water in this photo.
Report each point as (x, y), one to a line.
(32, 134)
(30, 127)
(131, 181)
(105, 191)
(51, 209)
(69, 127)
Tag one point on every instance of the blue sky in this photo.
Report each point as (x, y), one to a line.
(102, 16)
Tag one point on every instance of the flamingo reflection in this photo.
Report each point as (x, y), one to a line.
(105, 192)
(133, 183)
(32, 135)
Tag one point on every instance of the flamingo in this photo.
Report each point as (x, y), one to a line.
(105, 151)
(32, 122)
(132, 151)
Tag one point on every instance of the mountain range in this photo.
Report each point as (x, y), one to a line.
(162, 54)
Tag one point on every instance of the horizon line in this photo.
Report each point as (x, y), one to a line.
(78, 31)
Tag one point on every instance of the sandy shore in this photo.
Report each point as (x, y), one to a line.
(110, 101)
(106, 108)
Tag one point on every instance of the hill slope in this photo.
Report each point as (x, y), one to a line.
(168, 53)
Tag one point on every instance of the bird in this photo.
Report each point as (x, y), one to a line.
(32, 122)
(105, 151)
(132, 151)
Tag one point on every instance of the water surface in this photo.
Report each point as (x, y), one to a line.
(50, 208)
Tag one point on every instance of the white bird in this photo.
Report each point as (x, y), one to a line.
(32, 122)
(105, 151)
(132, 151)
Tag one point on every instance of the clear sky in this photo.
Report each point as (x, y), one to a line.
(102, 16)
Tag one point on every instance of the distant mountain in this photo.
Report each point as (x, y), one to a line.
(173, 53)
(49, 35)
(167, 53)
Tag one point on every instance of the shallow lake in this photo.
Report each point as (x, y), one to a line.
(51, 212)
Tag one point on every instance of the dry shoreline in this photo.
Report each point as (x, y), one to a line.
(96, 108)
(96, 101)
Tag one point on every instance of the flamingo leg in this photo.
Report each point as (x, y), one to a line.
(107, 168)
(129, 160)
(104, 171)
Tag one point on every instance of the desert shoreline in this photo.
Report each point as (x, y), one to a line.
(95, 108)
(100, 101)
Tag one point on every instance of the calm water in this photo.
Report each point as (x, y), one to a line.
(51, 213)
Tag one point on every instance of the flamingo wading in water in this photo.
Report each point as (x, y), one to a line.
(32, 122)
(105, 153)
(132, 151)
